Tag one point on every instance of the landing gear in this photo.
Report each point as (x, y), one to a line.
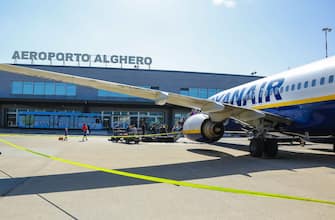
(266, 146)
(256, 147)
(261, 142)
(271, 148)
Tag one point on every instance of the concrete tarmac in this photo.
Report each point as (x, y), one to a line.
(34, 187)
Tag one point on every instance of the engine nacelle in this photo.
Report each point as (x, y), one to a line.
(200, 128)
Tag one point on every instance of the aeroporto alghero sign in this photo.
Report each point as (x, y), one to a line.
(80, 57)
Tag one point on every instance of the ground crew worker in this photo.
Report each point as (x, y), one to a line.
(84, 128)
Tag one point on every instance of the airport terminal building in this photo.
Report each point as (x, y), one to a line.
(28, 102)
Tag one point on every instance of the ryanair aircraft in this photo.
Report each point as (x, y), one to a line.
(300, 101)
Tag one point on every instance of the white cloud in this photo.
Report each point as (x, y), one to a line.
(225, 3)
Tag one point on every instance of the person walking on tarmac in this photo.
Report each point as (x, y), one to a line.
(66, 133)
(84, 128)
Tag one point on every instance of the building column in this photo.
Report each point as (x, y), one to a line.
(86, 108)
(169, 118)
(3, 116)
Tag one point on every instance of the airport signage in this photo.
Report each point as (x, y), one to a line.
(80, 57)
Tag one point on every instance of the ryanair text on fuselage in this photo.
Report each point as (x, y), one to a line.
(256, 94)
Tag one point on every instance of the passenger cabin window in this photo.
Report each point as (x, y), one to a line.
(331, 79)
(313, 82)
(322, 81)
(287, 88)
(306, 84)
(299, 86)
(292, 87)
(281, 89)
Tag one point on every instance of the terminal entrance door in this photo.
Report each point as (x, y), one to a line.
(12, 118)
(134, 121)
(121, 121)
(124, 119)
(152, 120)
(107, 122)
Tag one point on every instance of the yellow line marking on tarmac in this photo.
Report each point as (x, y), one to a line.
(168, 181)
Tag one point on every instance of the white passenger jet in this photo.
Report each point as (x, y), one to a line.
(300, 101)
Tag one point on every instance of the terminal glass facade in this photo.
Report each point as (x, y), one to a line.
(25, 118)
(124, 119)
(104, 93)
(199, 92)
(43, 88)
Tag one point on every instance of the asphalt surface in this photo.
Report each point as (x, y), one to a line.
(35, 187)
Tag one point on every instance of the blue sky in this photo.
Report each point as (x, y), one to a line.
(223, 36)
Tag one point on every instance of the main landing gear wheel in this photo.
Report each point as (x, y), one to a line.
(256, 147)
(271, 148)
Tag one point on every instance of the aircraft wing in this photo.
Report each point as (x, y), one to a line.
(217, 111)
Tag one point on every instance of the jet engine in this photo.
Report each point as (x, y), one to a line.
(200, 128)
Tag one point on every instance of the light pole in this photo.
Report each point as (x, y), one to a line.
(326, 30)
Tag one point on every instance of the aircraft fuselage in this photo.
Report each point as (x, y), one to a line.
(306, 95)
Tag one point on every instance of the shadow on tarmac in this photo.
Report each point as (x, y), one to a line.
(222, 164)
